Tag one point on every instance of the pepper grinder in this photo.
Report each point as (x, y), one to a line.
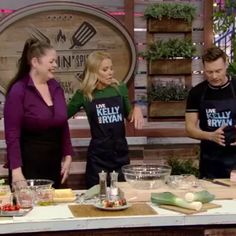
(113, 186)
(103, 185)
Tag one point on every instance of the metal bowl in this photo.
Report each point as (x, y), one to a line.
(146, 176)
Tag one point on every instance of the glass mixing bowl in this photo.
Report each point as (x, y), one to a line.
(33, 191)
(33, 184)
(146, 176)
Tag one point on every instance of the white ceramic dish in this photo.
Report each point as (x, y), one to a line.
(21, 212)
(118, 208)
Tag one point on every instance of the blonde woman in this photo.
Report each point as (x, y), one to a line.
(106, 103)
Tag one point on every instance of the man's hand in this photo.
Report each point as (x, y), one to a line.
(218, 136)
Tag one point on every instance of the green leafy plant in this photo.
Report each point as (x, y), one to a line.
(224, 21)
(169, 91)
(224, 18)
(173, 48)
(184, 11)
(183, 167)
(232, 69)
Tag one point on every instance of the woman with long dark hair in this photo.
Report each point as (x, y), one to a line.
(35, 118)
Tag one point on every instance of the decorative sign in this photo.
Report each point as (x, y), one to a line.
(74, 30)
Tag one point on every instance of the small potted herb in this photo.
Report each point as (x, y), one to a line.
(170, 57)
(167, 100)
(170, 17)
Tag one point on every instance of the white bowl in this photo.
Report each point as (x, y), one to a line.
(146, 176)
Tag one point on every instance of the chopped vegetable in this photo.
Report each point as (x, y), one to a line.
(10, 207)
(168, 198)
(2, 181)
(45, 203)
(117, 203)
(203, 196)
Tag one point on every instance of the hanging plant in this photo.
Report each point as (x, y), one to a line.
(224, 23)
(173, 48)
(169, 91)
(224, 18)
(184, 11)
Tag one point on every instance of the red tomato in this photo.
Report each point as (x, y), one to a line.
(10, 207)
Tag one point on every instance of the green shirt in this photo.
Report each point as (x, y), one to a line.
(79, 101)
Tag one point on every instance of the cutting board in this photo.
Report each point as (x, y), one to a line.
(205, 207)
(91, 211)
(133, 195)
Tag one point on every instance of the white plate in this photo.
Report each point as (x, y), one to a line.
(118, 208)
(21, 212)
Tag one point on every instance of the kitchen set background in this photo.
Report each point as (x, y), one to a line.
(111, 27)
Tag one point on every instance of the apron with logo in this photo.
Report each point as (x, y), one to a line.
(108, 149)
(217, 161)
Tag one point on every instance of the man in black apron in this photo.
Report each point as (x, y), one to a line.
(211, 117)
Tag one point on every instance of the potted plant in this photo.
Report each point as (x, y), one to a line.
(170, 57)
(167, 100)
(170, 17)
(183, 167)
(224, 24)
(232, 69)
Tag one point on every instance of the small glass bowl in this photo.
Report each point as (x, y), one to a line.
(184, 181)
(33, 191)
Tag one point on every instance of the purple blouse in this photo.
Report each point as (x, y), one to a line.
(26, 109)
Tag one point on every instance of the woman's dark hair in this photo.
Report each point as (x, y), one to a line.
(213, 54)
(32, 48)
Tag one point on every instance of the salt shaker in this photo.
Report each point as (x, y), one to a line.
(113, 186)
(103, 185)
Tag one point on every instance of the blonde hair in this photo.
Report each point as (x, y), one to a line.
(90, 74)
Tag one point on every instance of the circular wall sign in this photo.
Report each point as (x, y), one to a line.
(74, 30)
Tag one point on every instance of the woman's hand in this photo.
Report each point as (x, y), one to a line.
(17, 175)
(65, 170)
(137, 117)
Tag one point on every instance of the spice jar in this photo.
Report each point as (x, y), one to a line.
(103, 185)
(113, 186)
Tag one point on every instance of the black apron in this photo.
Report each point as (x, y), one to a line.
(217, 161)
(42, 155)
(108, 149)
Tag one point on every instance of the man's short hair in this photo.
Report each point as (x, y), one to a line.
(213, 54)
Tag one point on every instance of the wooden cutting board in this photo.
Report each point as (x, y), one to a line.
(92, 211)
(205, 207)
